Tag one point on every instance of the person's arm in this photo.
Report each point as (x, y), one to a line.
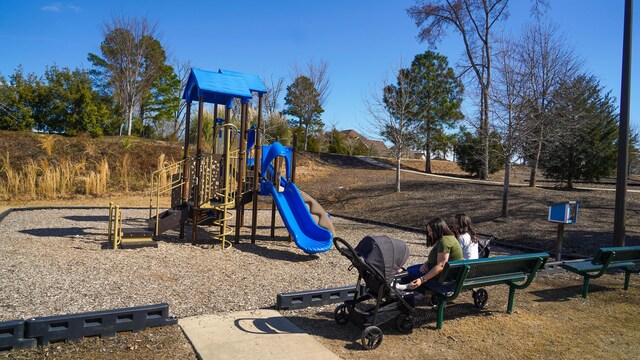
(433, 272)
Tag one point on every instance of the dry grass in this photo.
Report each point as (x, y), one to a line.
(162, 175)
(12, 181)
(308, 166)
(95, 183)
(90, 148)
(47, 179)
(124, 172)
(46, 143)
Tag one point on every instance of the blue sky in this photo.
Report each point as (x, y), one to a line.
(360, 40)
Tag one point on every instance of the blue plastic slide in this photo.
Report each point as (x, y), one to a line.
(306, 233)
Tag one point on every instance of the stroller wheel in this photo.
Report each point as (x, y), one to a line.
(341, 315)
(371, 337)
(480, 298)
(404, 323)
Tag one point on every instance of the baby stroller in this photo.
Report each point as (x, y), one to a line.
(484, 245)
(377, 259)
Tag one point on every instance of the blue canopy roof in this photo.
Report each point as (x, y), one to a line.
(254, 81)
(221, 87)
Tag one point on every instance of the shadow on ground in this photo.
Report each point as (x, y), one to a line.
(58, 232)
(566, 293)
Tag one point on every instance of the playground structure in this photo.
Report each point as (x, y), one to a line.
(205, 188)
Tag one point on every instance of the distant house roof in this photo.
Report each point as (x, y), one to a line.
(378, 146)
(221, 87)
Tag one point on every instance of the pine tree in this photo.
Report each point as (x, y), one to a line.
(438, 97)
(587, 149)
(303, 102)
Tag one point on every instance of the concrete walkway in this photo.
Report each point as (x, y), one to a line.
(257, 334)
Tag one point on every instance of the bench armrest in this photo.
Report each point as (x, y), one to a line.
(530, 276)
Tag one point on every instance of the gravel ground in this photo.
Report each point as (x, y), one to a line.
(57, 262)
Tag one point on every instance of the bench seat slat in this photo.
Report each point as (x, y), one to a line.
(588, 266)
(493, 280)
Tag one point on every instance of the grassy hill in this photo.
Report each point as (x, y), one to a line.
(36, 166)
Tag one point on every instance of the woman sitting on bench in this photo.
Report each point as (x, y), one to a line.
(445, 248)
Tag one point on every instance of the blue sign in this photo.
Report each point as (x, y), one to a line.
(566, 213)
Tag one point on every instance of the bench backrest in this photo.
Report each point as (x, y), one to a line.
(491, 267)
(621, 254)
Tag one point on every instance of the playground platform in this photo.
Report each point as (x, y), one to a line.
(263, 334)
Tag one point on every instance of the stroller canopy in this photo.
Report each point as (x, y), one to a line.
(384, 254)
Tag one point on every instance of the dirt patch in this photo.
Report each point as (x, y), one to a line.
(168, 342)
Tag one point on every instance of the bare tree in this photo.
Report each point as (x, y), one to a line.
(474, 21)
(351, 144)
(271, 98)
(549, 63)
(319, 75)
(132, 59)
(182, 69)
(390, 108)
(271, 103)
(509, 117)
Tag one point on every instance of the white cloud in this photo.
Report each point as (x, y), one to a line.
(52, 8)
(58, 8)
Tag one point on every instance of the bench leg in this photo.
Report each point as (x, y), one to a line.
(585, 287)
(441, 305)
(627, 276)
(512, 295)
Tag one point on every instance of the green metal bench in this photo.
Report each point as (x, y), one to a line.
(517, 271)
(609, 258)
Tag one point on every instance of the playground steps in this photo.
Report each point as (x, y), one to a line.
(246, 198)
(138, 244)
(207, 216)
(168, 220)
(137, 238)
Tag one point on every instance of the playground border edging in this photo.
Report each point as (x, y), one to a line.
(43, 330)
(12, 336)
(302, 299)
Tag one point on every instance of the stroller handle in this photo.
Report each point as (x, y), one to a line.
(343, 247)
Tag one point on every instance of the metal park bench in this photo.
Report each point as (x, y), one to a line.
(517, 271)
(609, 258)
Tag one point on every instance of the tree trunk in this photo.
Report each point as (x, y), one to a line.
(485, 134)
(427, 149)
(130, 120)
(306, 136)
(534, 166)
(398, 161)
(505, 186)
